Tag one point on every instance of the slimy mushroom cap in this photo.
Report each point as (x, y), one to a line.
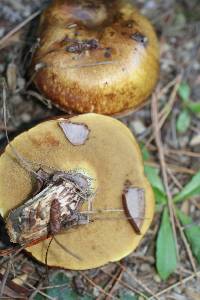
(96, 56)
(111, 157)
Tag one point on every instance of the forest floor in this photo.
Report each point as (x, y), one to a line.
(171, 143)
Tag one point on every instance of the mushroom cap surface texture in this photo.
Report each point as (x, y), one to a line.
(96, 56)
(111, 157)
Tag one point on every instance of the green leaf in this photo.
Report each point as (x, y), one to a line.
(184, 91)
(145, 153)
(191, 189)
(194, 107)
(183, 121)
(61, 293)
(156, 183)
(192, 233)
(39, 297)
(166, 259)
(59, 278)
(154, 178)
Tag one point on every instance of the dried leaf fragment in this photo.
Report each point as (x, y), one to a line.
(53, 209)
(76, 133)
(134, 204)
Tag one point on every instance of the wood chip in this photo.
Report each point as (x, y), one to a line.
(134, 204)
(76, 133)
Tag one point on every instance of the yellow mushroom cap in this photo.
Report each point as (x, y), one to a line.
(96, 56)
(111, 157)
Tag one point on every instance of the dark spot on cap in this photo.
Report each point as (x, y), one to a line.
(47, 139)
(112, 33)
(77, 46)
(108, 52)
(128, 23)
(140, 38)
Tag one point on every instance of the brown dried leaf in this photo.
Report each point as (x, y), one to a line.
(56, 206)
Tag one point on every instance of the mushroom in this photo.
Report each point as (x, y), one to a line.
(106, 166)
(95, 56)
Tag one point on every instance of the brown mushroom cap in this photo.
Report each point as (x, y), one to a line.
(110, 156)
(96, 56)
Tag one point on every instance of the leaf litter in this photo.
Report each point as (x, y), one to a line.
(177, 26)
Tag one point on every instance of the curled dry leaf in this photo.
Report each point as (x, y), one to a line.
(134, 205)
(76, 133)
(53, 209)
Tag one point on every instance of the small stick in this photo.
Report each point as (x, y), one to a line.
(139, 282)
(186, 244)
(112, 284)
(163, 165)
(39, 291)
(109, 210)
(5, 277)
(181, 282)
(32, 296)
(169, 105)
(162, 116)
(23, 162)
(97, 286)
(165, 89)
(115, 281)
(175, 180)
(126, 285)
(165, 179)
(180, 152)
(92, 212)
(18, 27)
(173, 168)
(46, 259)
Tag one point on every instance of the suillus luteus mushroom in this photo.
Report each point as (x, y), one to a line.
(90, 191)
(95, 56)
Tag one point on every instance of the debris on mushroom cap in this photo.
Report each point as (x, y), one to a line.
(109, 158)
(53, 209)
(134, 205)
(76, 133)
(99, 57)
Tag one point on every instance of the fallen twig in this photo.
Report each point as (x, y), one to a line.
(139, 282)
(18, 27)
(98, 287)
(162, 116)
(176, 285)
(159, 144)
